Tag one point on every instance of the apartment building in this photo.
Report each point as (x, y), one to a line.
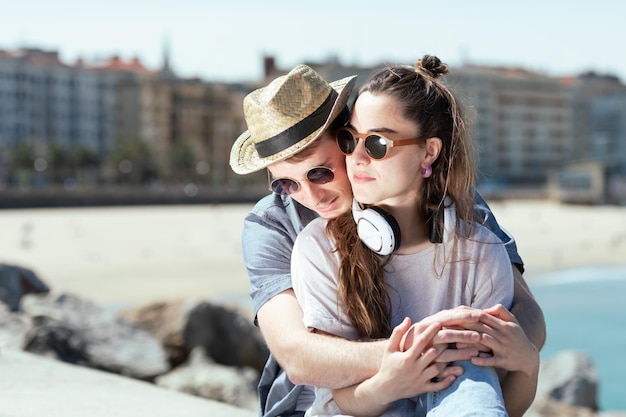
(166, 112)
(522, 121)
(37, 95)
(95, 105)
(45, 101)
(600, 119)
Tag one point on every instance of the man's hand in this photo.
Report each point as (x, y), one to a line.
(502, 335)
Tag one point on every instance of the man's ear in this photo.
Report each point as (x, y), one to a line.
(432, 149)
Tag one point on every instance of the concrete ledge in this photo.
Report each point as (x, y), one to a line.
(34, 386)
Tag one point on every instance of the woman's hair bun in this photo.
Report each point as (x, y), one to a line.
(431, 66)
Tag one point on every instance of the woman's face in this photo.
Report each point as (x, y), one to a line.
(396, 179)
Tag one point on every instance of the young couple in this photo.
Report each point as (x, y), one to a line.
(404, 148)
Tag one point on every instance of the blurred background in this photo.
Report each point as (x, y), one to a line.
(117, 118)
(101, 100)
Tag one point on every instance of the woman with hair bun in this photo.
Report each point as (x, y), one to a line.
(410, 248)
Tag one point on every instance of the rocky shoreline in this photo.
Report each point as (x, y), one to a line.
(200, 348)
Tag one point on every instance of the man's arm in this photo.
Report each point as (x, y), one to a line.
(525, 316)
(310, 358)
(515, 338)
(332, 362)
(513, 351)
(307, 358)
(527, 311)
(519, 387)
(524, 306)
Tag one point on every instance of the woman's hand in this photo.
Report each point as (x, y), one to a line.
(417, 357)
(409, 365)
(403, 373)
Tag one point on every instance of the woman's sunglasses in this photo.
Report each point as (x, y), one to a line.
(376, 146)
(315, 175)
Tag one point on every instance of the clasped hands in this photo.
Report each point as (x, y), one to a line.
(418, 357)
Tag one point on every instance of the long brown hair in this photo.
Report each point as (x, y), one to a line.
(434, 109)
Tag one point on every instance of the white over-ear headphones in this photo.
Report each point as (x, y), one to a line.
(376, 228)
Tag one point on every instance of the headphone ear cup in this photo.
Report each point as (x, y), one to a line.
(393, 228)
(378, 230)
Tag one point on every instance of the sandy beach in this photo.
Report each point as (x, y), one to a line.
(134, 255)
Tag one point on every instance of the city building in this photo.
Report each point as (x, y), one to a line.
(597, 168)
(99, 105)
(169, 112)
(522, 122)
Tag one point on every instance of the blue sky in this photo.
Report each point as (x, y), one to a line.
(217, 40)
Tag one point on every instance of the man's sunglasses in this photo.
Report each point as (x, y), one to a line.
(315, 175)
(376, 146)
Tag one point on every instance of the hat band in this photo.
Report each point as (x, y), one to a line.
(299, 131)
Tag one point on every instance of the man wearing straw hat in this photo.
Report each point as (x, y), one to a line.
(291, 123)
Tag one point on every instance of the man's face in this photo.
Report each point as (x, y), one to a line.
(328, 200)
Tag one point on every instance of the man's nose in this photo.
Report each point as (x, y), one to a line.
(315, 192)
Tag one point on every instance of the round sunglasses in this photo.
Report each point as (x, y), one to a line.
(376, 146)
(315, 175)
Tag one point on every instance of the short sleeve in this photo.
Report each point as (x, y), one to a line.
(314, 271)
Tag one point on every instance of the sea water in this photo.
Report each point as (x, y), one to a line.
(585, 310)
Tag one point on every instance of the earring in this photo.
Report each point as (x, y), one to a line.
(427, 170)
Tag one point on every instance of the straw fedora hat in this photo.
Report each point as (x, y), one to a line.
(286, 116)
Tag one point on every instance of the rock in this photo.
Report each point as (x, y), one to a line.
(202, 377)
(142, 343)
(569, 378)
(165, 320)
(80, 332)
(14, 329)
(15, 282)
(226, 336)
(552, 408)
(224, 333)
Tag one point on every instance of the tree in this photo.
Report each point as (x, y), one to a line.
(131, 162)
(182, 162)
(60, 161)
(21, 164)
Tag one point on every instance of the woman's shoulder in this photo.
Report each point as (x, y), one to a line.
(315, 227)
(482, 233)
(314, 234)
(473, 230)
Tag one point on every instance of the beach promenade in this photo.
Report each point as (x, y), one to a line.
(134, 255)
